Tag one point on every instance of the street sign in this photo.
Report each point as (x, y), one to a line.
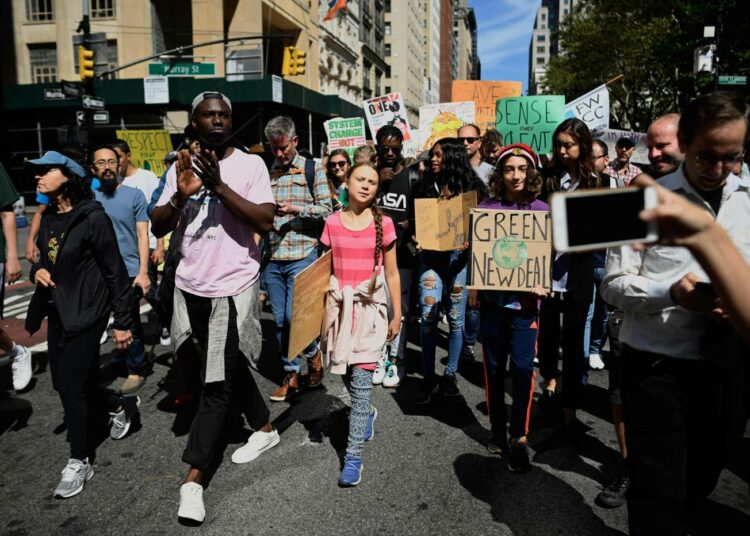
(100, 118)
(733, 80)
(92, 103)
(71, 89)
(55, 95)
(181, 69)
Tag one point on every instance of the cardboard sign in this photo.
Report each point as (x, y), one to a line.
(347, 134)
(442, 120)
(610, 137)
(308, 304)
(510, 250)
(387, 110)
(530, 120)
(147, 148)
(443, 224)
(591, 108)
(484, 94)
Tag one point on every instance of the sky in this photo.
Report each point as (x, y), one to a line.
(504, 31)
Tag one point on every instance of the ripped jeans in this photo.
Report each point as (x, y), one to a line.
(443, 281)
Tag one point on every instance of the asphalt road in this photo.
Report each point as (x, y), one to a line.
(426, 471)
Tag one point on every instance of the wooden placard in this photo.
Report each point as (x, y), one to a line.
(510, 250)
(308, 304)
(443, 224)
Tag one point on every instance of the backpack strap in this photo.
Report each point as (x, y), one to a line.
(310, 176)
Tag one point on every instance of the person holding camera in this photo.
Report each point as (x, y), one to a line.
(126, 207)
(80, 279)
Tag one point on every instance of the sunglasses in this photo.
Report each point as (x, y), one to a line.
(337, 164)
(385, 149)
(468, 139)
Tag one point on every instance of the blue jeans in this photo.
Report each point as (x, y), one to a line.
(596, 327)
(471, 326)
(443, 280)
(279, 279)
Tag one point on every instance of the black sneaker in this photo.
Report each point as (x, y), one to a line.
(518, 458)
(425, 394)
(450, 386)
(613, 494)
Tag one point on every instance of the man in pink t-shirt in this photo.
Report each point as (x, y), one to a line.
(219, 198)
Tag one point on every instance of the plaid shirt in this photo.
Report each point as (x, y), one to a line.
(622, 180)
(294, 237)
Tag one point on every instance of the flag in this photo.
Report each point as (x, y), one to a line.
(333, 7)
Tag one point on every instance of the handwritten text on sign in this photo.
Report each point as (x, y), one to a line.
(147, 148)
(345, 134)
(443, 224)
(530, 120)
(387, 110)
(484, 94)
(510, 250)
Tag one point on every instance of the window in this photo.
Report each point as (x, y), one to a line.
(565, 11)
(544, 16)
(540, 61)
(387, 28)
(387, 89)
(387, 49)
(43, 61)
(40, 11)
(540, 50)
(112, 57)
(387, 6)
(540, 37)
(102, 9)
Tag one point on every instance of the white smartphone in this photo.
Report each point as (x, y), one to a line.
(600, 218)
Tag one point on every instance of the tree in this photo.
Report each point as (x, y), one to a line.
(651, 43)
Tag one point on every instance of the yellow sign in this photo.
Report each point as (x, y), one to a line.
(443, 224)
(147, 148)
(510, 250)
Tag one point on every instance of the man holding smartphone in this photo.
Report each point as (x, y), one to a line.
(680, 392)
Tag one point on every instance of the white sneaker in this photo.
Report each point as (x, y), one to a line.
(21, 367)
(258, 443)
(164, 338)
(191, 502)
(379, 374)
(74, 476)
(120, 420)
(595, 361)
(392, 376)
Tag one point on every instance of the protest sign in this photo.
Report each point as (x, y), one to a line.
(610, 137)
(147, 148)
(530, 120)
(308, 304)
(591, 108)
(443, 224)
(347, 134)
(510, 250)
(387, 110)
(442, 120)
(484, 94)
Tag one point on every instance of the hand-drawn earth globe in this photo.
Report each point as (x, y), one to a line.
(509, 252)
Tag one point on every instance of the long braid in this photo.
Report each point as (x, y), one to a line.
(378, 218)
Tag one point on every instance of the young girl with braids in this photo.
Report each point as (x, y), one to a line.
(357, 324)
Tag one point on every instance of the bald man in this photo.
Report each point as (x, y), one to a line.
(663, 149)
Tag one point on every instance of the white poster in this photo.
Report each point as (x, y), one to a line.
(441, 120)
(387, 110)
(591, 108)
(156, 90)
(610, 137)
(277, 89)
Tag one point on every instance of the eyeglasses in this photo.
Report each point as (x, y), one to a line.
(338, 163)
(468, 139)
(600, 156)
(710, 159)
(105, 163)
(386, 149)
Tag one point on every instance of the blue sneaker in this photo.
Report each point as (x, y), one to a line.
(370, 430)
(351, 474)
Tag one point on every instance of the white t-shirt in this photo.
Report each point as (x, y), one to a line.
(145, 181)
(219, 254)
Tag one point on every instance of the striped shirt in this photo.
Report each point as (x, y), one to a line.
(354, 251)
(294, 236)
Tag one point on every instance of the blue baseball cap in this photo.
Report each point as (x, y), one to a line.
(55, 159)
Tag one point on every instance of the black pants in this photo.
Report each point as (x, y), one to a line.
(238, 387)
(74, 365)
(681, 420)
(574, 312)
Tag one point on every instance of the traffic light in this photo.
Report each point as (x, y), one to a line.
(85, 63)
(294, 62)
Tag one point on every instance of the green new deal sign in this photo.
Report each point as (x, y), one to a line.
(182, 69)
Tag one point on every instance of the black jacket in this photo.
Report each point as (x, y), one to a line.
(89, 274)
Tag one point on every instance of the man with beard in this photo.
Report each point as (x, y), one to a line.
(218, 199)
(681, 388)
(620, 168)
(126, 207)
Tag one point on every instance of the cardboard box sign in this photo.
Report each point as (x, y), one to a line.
(443, 224)
(308, 304)
(510, 250)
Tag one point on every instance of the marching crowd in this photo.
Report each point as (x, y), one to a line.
(232, 234)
